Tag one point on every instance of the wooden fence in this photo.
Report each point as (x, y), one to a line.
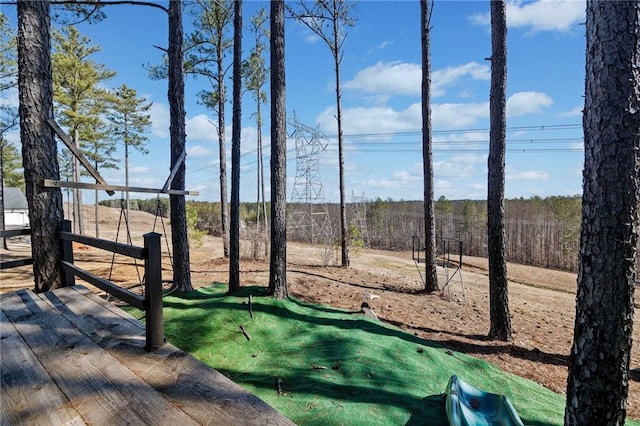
(151, 253)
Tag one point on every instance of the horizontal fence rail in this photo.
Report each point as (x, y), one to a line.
(151, 302)
(7, 233)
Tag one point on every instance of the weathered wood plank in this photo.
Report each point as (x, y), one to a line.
(97, 385)
(204, 393)
(29, 395)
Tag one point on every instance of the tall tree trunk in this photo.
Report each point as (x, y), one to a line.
(39, 151)
(261, 171)
(179, 235)
(599, 364)
(344, 238)
(234, 260)
(278, 260)
(224, 208)
(259, 183)
(431, 273)
(498, 287)
(2, 224)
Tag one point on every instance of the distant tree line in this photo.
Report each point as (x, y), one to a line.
(540, 232)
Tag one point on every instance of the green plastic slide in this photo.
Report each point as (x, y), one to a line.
(469, 406)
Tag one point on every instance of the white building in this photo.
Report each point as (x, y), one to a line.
(16, 211)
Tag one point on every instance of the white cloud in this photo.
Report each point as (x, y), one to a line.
(400, 78)
(540, 15)
(446, 77)
(575, 112)
(159, 113)
(459, 167)
(201, 128)
(380, 46)
(372, 120)
(512, 174)
(379, 120)
(577, 145)
(458, 115)
(524, 103)
(388, 78)
(199, 151)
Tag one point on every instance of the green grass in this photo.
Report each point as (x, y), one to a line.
(336, 367)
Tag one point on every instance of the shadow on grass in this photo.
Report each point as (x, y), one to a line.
(342, 355)
(535, 354)
(214, 301)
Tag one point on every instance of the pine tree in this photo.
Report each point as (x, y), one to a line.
(598, 382)
(129, 121)
(78, 97)
(278, 260)
(234, 234)
(207, 47)
(38, 143)
(500, 327)
(8, 74)
(255, 77)
(431, 274)
(177, 130)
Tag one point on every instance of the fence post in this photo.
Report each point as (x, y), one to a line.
(153, 291)
(68, 279)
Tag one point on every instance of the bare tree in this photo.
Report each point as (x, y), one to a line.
(431, 273)
(278, 259)
(328, 19)
(179, 233)
(39, 151)
(500, 327)
(598, 380)
(234, 255)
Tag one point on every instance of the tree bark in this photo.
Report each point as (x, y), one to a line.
(599, 364)
(39, 151)
(234, 260)
(179, 235)
(278, 258)
(431, 273)
(2, 224)
(224, 208)
(344, 238)
(500, 327)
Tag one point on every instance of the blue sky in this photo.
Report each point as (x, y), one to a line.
(381, 100)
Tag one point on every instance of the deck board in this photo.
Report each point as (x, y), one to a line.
(93, 364)
(29, 394)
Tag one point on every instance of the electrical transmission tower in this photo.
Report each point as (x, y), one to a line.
(309, 216)
(358, 215)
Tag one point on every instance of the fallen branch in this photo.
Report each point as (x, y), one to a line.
(244, 331)
(250, 307)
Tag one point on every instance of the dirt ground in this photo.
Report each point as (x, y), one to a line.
(542, 302)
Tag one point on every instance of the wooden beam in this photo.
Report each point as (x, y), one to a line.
(49, 183)
(15, 232)
(77, 153)
(176, 166)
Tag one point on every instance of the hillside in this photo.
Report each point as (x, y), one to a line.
(542, 301)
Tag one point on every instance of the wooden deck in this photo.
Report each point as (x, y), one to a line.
(69, 357)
